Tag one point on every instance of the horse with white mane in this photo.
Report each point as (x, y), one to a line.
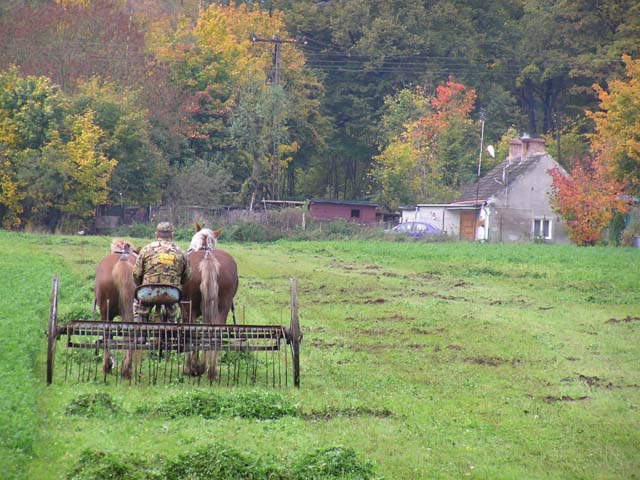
(211, 289)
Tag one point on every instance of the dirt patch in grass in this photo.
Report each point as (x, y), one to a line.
(318, 329)
(454, 347)
(488, 361)
(590, 381)
(330, 413)
(372, 347)
(374, 332)
(449, 298)
(428, 276)
(383, 274)
(422, 331)
(628, 319)
(377, 301)
(517, 301)
(319, 343)
(394, 318)
(564, 398)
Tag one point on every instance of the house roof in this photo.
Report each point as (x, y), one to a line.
(346, 202)
(494, 182)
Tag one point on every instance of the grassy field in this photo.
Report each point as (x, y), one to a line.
(446, 360)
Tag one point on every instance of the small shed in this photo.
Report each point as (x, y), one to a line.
(351, 210)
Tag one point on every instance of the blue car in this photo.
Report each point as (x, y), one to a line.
(415, 229)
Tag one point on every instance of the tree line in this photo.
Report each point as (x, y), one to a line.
(199, 102)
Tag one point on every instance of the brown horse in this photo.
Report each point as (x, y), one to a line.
(211, 288)
(114, 292)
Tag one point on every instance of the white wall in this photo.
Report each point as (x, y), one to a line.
(446, 220)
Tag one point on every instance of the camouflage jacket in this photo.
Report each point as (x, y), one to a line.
(161, 262)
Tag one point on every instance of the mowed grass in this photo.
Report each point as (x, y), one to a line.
(431, 360)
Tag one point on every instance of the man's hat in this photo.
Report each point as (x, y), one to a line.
(164, 227)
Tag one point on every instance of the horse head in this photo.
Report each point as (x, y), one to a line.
(204, 238)
(118, 245)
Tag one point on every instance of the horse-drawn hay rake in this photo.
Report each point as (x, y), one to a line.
(247, 354)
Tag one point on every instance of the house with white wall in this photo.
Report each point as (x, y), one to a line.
(511, 203)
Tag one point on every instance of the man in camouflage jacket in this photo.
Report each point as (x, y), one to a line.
(160, 262)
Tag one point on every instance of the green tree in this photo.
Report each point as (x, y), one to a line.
(53, 171)
(87, 171)
(32, 113)
(140, 174)
(433, 155)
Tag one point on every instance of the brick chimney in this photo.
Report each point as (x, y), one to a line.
(526, 147)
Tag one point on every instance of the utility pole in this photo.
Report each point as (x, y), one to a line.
(477, 213)
(277, 44)
(277, 55)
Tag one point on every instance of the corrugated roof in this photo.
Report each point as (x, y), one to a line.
(493, 183)
(346, 202)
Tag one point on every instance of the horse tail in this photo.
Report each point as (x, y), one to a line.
(209, 267)
(123, 279)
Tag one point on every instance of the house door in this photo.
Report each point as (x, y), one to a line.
(468, 224)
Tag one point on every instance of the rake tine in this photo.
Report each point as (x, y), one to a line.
(273, 358)
(279, 363)
(246, 369)
(286, 366)
(238, 359)
(149, 359)
(168, 350)
(133, 379)
(79, 367)
(95, 370)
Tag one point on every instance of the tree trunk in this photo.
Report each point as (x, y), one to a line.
(528, 102)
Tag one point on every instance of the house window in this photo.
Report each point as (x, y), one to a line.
(355, 213)
(542, 228)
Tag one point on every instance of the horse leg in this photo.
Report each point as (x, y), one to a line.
(126, 365)
(105, 316)
(212, 356)
(192, 364)
(212, 361)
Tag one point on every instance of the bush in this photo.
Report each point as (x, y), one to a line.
(75, 313)
(632, 230)
(137, 230)
(92, 404)
(94, 465)
(333, 463)
(217, 462)
(207, 404)
(248, 231)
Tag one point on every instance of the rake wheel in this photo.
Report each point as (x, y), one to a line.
(52, 330)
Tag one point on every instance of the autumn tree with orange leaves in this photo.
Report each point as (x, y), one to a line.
(617, 137)
(434, 153)
(589, 198)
